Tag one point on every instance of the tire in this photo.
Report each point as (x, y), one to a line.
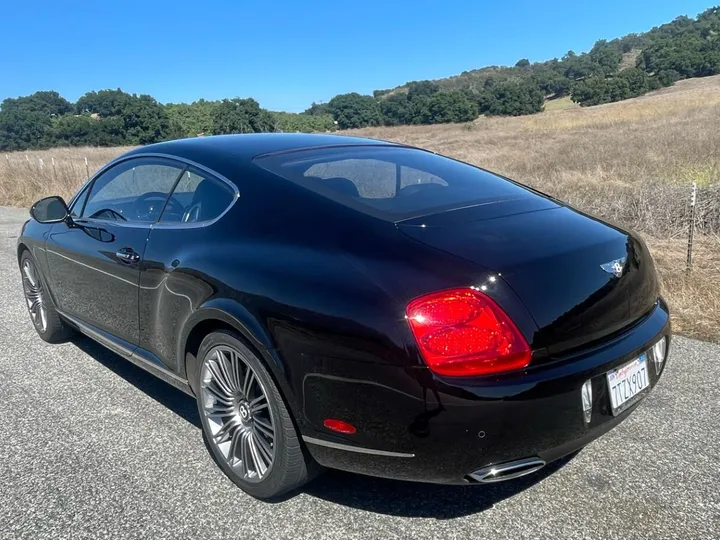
(236, 421)
(45, 318)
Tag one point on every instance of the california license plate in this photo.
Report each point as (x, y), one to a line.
(626, 384)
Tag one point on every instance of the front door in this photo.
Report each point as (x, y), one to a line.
(95, 260)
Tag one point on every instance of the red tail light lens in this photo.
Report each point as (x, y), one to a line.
(462, 332)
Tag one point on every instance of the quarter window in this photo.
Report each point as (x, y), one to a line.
(135, 190)
(369, 178)
(365, 178)
(391, 182)
(197, 197)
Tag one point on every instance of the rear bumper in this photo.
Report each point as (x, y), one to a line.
(413, 425)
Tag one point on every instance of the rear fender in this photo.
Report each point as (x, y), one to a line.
(226, 312)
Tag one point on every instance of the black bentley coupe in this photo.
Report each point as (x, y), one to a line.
(349, 303)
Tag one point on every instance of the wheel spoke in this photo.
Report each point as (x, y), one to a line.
(258, 404)
(260, 466)
(224, 410)
(264, 428)
(32, 290)
(245, 454)
(249, 379)
(30, 273)
(233, 445)
(43, 316)
(259, 408)
(264, 448)
(35, 305)
(235, 369)
(218, 394)
(225, 370)
(218, 379)
(225, 431)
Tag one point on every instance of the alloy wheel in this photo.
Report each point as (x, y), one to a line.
(34, 295)
(238, 414)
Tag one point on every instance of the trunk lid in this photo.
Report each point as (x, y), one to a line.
(560, 262)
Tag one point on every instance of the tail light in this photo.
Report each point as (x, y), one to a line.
(462, 332)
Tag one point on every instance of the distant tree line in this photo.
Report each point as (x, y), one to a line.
(683, 48)
(113, 118)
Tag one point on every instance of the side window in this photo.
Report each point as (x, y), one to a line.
(134, 190)
(197, 197)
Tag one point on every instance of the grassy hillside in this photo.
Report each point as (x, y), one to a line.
(632, 162)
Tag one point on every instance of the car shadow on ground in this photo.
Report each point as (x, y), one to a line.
(410, 499)
(390, 497)
(162, 392)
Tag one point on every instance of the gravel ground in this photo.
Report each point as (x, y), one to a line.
(92, 447)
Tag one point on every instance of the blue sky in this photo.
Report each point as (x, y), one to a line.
(287, 54)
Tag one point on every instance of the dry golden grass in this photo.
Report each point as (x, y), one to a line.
(631, 162)
(694, 299)
(22, 181)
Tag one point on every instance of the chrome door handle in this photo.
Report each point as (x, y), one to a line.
(127, 255)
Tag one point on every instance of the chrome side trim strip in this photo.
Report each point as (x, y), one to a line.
(358, 449)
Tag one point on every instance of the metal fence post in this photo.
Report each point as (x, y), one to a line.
(693, 201)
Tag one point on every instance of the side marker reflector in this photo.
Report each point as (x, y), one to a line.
(339, 426)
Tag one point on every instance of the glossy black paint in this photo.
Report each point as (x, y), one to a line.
(319, 292)
(88, 279)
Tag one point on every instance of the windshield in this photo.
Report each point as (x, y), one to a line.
(390, 182)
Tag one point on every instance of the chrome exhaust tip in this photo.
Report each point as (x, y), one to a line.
(508, 470)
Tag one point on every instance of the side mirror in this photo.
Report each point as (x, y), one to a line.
(50, 210)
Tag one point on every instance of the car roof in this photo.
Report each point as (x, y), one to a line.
(218, 151)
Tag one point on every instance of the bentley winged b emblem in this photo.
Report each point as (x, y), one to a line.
(615, 267)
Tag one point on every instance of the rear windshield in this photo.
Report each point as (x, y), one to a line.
(390, 182)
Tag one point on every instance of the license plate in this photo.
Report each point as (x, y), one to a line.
(627, 383)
